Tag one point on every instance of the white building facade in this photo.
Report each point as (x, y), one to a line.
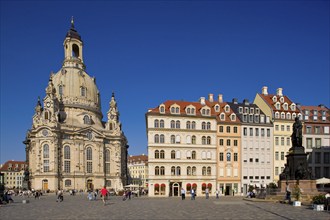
(181, 148)
(257, 145)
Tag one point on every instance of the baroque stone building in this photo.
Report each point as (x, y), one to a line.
(68, 145)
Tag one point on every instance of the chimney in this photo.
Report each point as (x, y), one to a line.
(298, 105)
(264, 90)
(279, 92)
(211, 97)
(202, 100)
(235, 100)
(246, 102)
(220, 98)
(321, 105)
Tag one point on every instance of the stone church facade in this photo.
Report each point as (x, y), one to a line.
(68, 145)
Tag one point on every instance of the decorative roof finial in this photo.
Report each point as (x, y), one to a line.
(72, 22)
(113, 94)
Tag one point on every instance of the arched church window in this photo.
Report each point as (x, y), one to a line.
(47, 115)
(67, 152)
(107, 161)
(46, 151)
(83, 91)
(89, 157)
(67, 163)
(87, 120)
(75, 51)
(46, 158)
(60, 89)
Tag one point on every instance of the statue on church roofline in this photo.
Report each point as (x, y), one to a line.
(296, 136)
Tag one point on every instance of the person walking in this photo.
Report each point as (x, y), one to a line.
(183, 194)
(207, 193)
(59, 196)
(104, 193)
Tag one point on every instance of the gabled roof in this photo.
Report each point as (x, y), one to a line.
(269, 100)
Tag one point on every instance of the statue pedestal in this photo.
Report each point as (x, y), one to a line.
(297, 163)
(307, 186)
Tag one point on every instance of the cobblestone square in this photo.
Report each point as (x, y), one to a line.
(78, 207)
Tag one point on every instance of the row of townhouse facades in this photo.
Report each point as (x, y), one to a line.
(227, 146)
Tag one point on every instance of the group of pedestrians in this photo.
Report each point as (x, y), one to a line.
(193, 193)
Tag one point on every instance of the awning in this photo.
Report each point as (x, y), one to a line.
(163, 185)
(156, 185)
(209, 185)
(204, 184)
(194, 185)
(188, 184)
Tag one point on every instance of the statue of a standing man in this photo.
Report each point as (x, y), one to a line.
(296, 136)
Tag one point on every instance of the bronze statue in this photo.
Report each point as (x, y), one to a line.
(296, 136)
(26, 175)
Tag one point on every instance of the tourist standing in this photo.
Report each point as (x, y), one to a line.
(192, 192)
(183, 194)
(217, 193)
(104, 193)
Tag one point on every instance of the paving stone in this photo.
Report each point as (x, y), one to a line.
(78, 207)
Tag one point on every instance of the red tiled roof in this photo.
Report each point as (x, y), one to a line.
(198, 106)
(6, 166)
(319, 113)
(137, 158)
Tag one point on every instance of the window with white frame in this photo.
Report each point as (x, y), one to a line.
(156, 123)
(208, 126)
(177, 139)
(161, 124)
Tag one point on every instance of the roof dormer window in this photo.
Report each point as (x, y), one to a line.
(257, 111)
(217, 108)
(175, 109)
(227, 108)
(282, 99)
(274, 99)
(293, 107)
(278, 106)
(233, 117)
(240, 110)
(172, 110)
(246, 110)
(282, 115)
(222, 116)
(288, 115)
(285, 105)
(162, 109)
(277, 115)
(252, 110)
(315, 112)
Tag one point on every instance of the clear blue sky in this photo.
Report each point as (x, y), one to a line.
(152, 51)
